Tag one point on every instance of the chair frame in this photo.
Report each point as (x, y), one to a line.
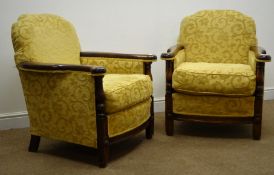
(255, 120)
(103, 139)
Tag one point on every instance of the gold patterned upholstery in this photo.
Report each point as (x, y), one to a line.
(69, 97)
(117, 65)
(217, 36)
(215, 72)
(61, 105)
(214, 79)
(123, 91)
(138, 114)
(41, 38)
(219, 106)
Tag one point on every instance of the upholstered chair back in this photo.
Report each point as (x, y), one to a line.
(45, 38)
(217, 36)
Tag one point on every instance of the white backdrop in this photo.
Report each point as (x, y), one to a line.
(140, 26)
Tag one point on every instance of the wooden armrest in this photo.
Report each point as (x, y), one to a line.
(264, 58)
(62, 67)
(172, 51)
(145, 57)
(261, 54)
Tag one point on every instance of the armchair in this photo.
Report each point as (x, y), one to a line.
(88, 98)
(215, 74)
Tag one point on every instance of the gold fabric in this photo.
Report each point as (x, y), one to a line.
(45, 38)
(116, 65)
(126, 120)
(252, 60)
(61, 105)
(179, 58)
(123, 91)
(214, 78)
(217, 36)
(221, 106)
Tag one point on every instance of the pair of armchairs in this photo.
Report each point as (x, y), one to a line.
(214, 74)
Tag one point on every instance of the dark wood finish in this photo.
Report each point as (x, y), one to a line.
(261, 54)
(119, 55)
(169, 122)
(258, 106)
(103, 139)
(264, 57)
(150, 127)
(147, 69)
(34, 143)
(62, 67)
(172, 51)
(101, 123)
(256, 120)
(212, 119)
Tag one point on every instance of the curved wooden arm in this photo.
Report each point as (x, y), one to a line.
(261, 54)
(145, 57)
(62, 67)
(264, 58)
(172, 51)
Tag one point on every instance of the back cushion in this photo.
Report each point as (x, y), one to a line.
(45, 38)
(217, 36)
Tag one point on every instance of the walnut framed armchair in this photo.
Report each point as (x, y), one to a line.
(215, 74)
(88, 98)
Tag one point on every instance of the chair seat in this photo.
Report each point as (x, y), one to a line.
(214, 78)
(125, 90)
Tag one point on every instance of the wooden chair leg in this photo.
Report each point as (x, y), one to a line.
(104, 155)
(169, 125)
(34, 143)
(257, 127)
(150, 128)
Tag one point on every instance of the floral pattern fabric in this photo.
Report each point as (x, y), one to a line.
(116, 65)
(41, 38)
(214, 79)
(217, 36)
(125, 90)
(219, 106)
(61, 105)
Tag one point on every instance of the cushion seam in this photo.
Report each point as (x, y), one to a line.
(218, 74)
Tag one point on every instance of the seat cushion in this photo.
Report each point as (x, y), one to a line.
(214, 78)
(125, 90)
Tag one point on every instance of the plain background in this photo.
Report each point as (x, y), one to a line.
(127, 26)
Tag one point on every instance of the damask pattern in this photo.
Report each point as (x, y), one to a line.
(221, 106)
(217, 36)
(252, 60)
(45, 38)
(126, 120)
(123, 91)
(179, 58)
(214, 78)
(61, 105)
(116, 65)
